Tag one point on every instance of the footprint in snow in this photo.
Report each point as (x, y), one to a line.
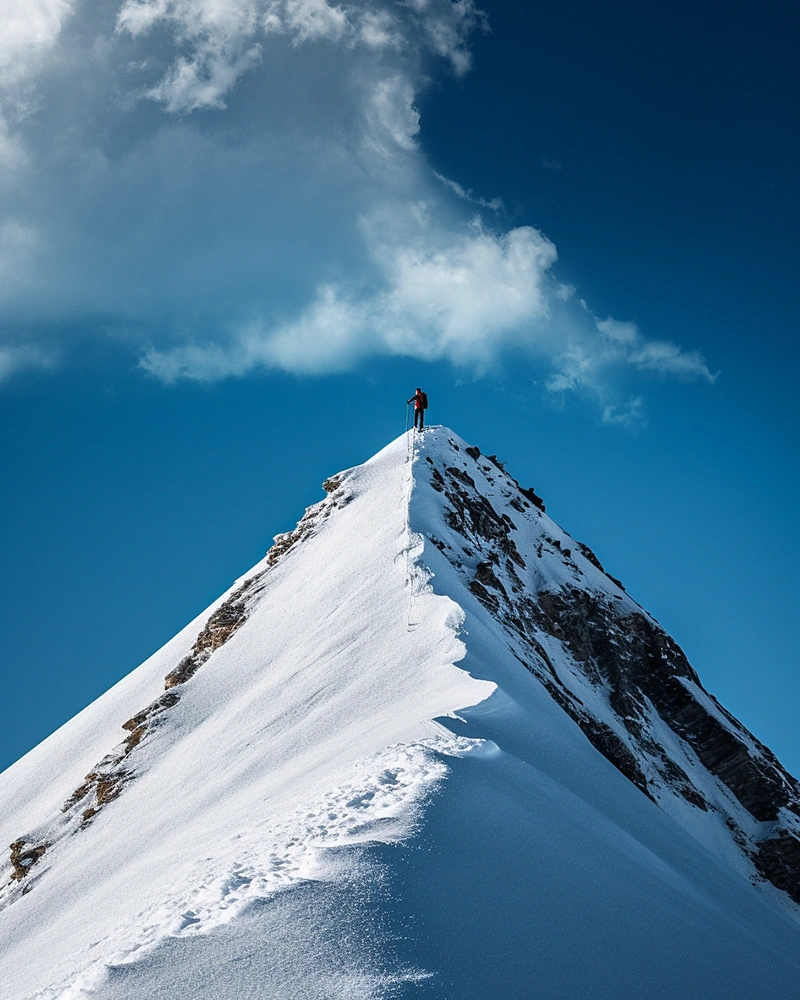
(360, 801)
(188, 918)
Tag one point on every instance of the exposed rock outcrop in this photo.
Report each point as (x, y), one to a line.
(778, 860)
(24, 858)
(644, 678)
(228, 617)
(106, 781)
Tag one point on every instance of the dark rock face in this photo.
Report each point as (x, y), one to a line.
(643, 674)
(138, 724)
(587, 553)
(24, 858)
(468, 508)
(601, 736)
(218, 629)
(778, 860)
(103, 785)
(645, 663)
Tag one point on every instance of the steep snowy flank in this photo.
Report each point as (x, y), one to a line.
(295, 716)
(426, 748)
(607, 663)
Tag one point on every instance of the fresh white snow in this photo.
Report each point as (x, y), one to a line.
(363, 794)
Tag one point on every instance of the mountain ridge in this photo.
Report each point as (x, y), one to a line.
(426, 625)
(611, 639)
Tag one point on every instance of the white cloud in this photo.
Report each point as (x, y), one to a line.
(392, 111)
(627, 414)
(582, 371)
(193, 19)
(316, 20)
(447, 27)
(618, 332)
(587, 366)
(574, 370)
(228, 185)
(379, 30)
(668, 359)
(202, 82)
(16, 358)
(28, 28)
(495, 204)
(462, 302)
(218, 43)
(465, 300)
(653, 355)
(220, 40)
(328, 336)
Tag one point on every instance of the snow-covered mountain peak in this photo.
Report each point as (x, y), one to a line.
(426, 667)
(607, 662)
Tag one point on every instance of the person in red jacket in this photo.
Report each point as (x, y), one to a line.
(420, 401)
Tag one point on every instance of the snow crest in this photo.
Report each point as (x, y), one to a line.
(248, 851)
(379, 800)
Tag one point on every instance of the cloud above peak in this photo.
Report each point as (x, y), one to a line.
(222, 186)
(218, 41)
(660, 356)
(456, 297)
(28, 28)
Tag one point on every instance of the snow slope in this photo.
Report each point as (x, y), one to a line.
(363, 781)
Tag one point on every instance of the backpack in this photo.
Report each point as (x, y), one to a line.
(424, 401)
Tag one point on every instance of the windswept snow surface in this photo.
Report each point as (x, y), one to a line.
(363, 794)
(309, 729)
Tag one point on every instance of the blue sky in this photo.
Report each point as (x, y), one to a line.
(235, 234)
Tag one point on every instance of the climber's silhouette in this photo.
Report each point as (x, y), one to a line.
(420, 401)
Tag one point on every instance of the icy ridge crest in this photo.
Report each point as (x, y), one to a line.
(608, 664)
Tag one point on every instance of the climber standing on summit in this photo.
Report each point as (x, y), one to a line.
(420, 401)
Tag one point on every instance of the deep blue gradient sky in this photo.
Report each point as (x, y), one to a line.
(657, 148)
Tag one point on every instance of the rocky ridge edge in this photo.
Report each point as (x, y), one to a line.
(107, 779)
(617, 648)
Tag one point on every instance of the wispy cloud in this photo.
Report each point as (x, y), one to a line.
(392, 114)
(627, 414)
(17, 358)
(447, 28)
(550, 163)
(245, 187)
(28, 29)
(494, 204)
(617, 332)
(587, 365)
(660, 356)
(666, 358)
(220, 40)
